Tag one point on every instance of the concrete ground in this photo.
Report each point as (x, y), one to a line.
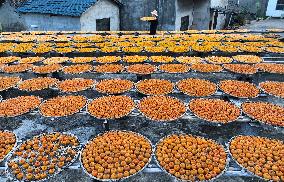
(270, 23)
(86, 127)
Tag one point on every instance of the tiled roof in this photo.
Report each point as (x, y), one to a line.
(57, 7)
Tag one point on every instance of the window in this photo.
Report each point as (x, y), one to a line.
(184, 23)
(280, 5)
(103, 24)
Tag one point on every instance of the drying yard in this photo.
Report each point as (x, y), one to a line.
(133, 107)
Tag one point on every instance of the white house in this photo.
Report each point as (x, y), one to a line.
(106, 16)
(218, 19)
(103, 15)
(275, 8)
(85, 15)
(192, 14)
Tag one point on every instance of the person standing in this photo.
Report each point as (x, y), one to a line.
(154, 23)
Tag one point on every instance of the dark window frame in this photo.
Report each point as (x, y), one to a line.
(103, 24)
(280, 5)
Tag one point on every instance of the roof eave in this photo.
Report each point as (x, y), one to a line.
(53, 14)
(118, 3)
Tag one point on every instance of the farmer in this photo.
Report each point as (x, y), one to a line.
(154, 23)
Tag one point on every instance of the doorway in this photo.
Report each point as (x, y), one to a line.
(184, 23)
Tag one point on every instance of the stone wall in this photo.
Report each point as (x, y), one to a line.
(9, 19)
(221, 19)
(257, 7)
(201, 15)
(102, 9)
(170, 12)
(183, 8)
(46, 22)
(219, 3)
(133, 10)
(263, 8)
(167, 13)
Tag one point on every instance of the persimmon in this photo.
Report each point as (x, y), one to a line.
(134, 59)
(214, 110)
(156, 49)
(7, 142)
(109, 68)
(41, 168)
(207, 68)
(108, 59)
(271, 67)
(269, 169)
(202, 48)
(62, 106)
(114, 86)
(248, 59)
(20, 176)
(273, 88)
(45, 69)
(8, 82)
(77, 69)
(162, 108)
(239, 88)
(189, 60)
(241, 68)
(75, 85)
(43, 175)
(161, 59)
(155, 87)
(179, 49)
(265, 112)
(120, 142)
(78, 60)
(10, 59)
(218, 60)
(111, 107)
(192, 168)
(55, 60)
(37, 84)
(18, 106)
(60, 164)
(141, 69)
(174, 68)
(275, 49)
(197, 87)
(30, 60)
(17, 68)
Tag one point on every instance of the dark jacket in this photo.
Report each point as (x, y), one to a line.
(153, 26)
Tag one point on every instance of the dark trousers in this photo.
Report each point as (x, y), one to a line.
(153, 27)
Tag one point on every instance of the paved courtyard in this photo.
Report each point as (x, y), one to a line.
(269, 23)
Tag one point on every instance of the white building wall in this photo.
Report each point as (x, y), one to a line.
(201, 14)
(102, 9)
(221, 17)
(271, 9)
(183, 8)
(9, 19)
(46, 22)
(219, 3)
(221, 20)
